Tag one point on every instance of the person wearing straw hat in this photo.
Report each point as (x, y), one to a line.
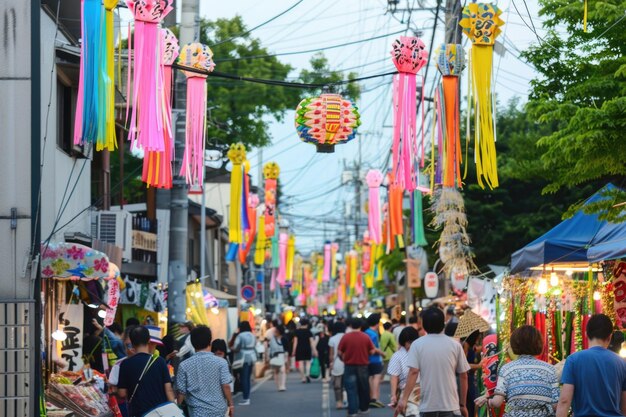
(468, 330)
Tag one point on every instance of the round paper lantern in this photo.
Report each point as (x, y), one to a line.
(458, 278)
(431, 284)
(326, 121)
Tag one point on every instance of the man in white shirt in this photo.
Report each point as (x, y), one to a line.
(438, 359)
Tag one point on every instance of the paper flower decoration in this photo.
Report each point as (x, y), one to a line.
(374, 179)
(271, 171)
(450, 62)
(157, 165)
(326, 121)
(195, 55)
(481, 23)
(237, 156)
(409, 55)
(147, 120)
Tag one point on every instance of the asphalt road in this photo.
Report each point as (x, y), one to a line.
(316, 399)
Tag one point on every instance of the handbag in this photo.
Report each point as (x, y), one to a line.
(315, 370)
(165, 410)
(238, 364)
(278, 360)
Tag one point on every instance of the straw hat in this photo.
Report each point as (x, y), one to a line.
(469, 323)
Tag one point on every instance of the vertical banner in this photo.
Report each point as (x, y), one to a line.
(70, 351)
(619, 291)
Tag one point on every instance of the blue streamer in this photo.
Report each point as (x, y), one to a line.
(92, 29)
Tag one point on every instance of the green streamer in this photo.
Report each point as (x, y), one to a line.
(419, 236)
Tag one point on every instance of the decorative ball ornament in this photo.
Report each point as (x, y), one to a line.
(326, 121)
(451, 59)
(271, 171)
(196, 55)
(150, 11)
(409, 54)
(170, 47)
(481, 23)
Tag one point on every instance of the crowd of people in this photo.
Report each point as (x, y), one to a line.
(431, 374)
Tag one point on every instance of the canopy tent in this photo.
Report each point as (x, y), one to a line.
(581, 238)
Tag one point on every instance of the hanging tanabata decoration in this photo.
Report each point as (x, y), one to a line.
(250, 230)
(409, 55)
(449, 216)
(95, 106)
(145, 93)
(374, 179)
(396, 229)
(291, 253)
(327, 262)
(326, 121)
(450, 64)
(237, 156)
(481, 23)
(271, 171)
(198, 56)
(157, 165)
(417, 219)
(490, 363)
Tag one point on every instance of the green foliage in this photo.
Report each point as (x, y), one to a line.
(504, 220)
(240, 111)
(321, 73)
(581, 96)
(393, 262)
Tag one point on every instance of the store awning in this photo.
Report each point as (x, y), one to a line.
(73, 261)
(581, 238)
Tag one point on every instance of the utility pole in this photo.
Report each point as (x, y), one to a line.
(179, 205)
(357, 196)
(453, 16)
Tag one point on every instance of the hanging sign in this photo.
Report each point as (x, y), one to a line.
(248, 293)
(413, 273)
(431, 284)
(70, 351)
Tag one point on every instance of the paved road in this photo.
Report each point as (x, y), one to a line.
(300, 400)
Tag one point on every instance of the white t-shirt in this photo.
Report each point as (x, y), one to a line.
(439, 358)
(396, 332)
(338, 366)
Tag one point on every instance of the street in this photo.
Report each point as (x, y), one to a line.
(303, 400)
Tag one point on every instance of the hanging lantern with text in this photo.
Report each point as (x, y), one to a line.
(326, 121)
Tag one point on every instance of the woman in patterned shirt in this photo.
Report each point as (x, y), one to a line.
(529, 386)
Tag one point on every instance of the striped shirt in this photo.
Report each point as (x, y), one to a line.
(398, 366)
(530, 387)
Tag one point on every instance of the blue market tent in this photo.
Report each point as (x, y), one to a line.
(581, 238)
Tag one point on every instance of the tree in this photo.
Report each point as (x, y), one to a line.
(581, 93)
(321, 73)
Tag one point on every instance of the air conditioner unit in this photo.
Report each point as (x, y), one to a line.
(115, 227)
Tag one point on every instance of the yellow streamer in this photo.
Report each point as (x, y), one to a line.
(237, 156)
(291, 252)
(585, 18)
(261, 242)
(353, 270)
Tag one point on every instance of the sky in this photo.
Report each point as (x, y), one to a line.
(314, 201)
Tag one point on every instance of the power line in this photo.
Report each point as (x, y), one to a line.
(309, 50)
(260, 25)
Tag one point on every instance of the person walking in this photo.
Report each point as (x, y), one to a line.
(398, 372)
(354, 350)
(594, 380)
(144, 380)
(439, 359)
(322, 349)
(529, 386)
(244, 347)
(304, 349)
(336, 364)
(185, 347)
(388, 344)
(203, 380)
(375, 367)
(277, 355)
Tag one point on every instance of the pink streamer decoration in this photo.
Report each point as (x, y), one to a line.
(327, 263)
(374, 179)
(193, 159)
(273, 280)
(409, 56)
(282, 255)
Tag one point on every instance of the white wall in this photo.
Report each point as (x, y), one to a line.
(15, 146)
(217, 197)
(57, 164)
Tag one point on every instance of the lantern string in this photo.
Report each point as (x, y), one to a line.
(278, 82)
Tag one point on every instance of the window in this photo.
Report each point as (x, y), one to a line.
(66, 109)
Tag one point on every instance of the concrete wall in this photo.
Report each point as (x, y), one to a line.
(15, 148)
(57, 169)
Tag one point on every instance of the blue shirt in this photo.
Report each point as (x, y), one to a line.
(373, 335)
(599, 377)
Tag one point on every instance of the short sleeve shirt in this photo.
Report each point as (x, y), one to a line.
(530, 387)
(373, 335)
(439, 358)
(337, 367)
(151, 390)
(599, 378)
(200, 379)
(355, 348)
